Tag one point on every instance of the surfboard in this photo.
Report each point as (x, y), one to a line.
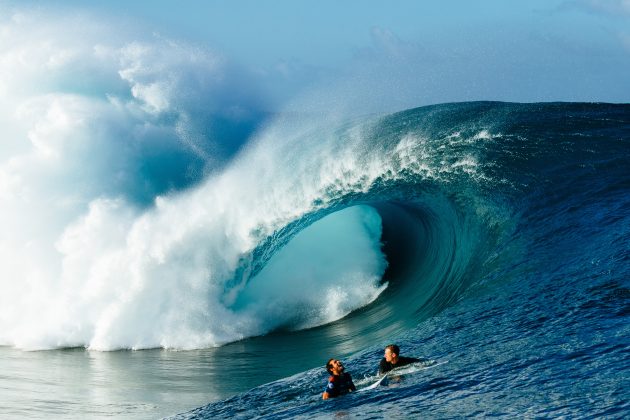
(375, 384)
(401, 372)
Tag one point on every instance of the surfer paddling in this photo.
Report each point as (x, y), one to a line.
(340, 382)
(393, 359)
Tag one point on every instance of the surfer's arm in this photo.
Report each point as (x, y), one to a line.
(325, 395)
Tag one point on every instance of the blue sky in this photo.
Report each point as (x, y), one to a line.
(419, 51)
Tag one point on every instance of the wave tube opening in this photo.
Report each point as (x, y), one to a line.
(423, 255)
(326, 271)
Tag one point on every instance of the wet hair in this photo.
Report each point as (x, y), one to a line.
(394, 349)
(329, 365)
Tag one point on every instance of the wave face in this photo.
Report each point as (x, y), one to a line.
(296, 232)
(505, 228)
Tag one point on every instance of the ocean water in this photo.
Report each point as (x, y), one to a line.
(491, 238)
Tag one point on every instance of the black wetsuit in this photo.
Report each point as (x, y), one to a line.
(339, 385)
(385, 366)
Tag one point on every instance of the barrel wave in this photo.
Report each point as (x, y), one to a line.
(312, 221)
(505, 231)
(491, 236)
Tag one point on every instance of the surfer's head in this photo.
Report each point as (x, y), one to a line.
(391, 353)
(334, 366)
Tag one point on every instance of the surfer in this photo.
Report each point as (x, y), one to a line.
(393, 360)
(340, 382)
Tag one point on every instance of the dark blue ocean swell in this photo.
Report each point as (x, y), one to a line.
(516, 275)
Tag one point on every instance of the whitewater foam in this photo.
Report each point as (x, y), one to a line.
(179, 274)
(124, 226)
